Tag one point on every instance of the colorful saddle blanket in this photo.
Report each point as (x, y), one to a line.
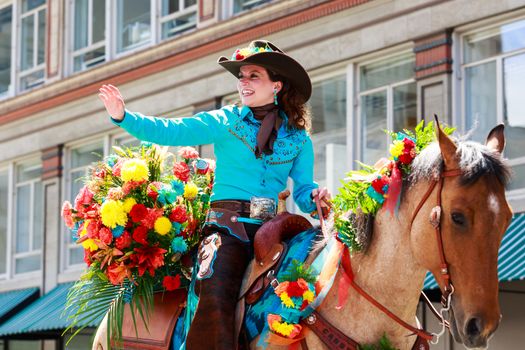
(255, 321)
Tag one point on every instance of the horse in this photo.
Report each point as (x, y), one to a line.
(450, 221)
(403, 247)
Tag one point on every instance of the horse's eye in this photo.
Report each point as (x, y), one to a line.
(458, 218)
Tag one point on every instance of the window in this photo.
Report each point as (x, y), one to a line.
(245, 5)
(4, 201)
(177, 16)
(494, 70)
(32, 45)
(29, 217)
(79, 160)
(133, 24)
(328, 106)
(387, 101)
(6, 19)
(89, 39)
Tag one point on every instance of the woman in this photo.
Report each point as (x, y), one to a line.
(258, 145)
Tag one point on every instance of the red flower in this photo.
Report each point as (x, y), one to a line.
(140, 234)
(123, 241)
(178, 214)
(294, 289)
(408, 143)
(148, 258)
(93, 229)
(117, 272)
(405, 158)
(171, 283)
(378, 184)
(188, 153)
(105, 235)
(181, 171)
(152, 216)
(88, 257)
(138, 212)
(153, 190)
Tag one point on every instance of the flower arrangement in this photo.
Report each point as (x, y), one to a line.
(296, 292)
(245, 52)
(368, 189)
(138, 216)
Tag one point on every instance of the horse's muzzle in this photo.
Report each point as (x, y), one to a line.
(474, 332)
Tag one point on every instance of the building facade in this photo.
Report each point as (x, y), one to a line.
(375, 65)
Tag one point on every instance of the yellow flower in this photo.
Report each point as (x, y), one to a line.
(128, 204)
(245, 52)
(134, 170)
(162, 225)
(190, 191)
(308, 296)
(286, 300)
(396, 149)
(88, 243)
(282, 328)
(113, 214)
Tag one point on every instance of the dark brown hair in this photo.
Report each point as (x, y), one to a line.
(292, 103)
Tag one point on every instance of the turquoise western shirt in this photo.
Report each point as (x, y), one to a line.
(232, 131)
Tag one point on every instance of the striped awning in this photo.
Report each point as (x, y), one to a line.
(43, 315)
(16, 299)
(511, 259)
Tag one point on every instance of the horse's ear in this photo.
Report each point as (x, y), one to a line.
(496, 139)
(447, 146)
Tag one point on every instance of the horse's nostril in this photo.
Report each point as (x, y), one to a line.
(474, 327)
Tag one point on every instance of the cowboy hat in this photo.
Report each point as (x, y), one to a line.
(265, 54)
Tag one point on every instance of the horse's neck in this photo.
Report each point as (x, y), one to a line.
(388, 272)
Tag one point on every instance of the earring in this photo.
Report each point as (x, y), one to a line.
(275, 96)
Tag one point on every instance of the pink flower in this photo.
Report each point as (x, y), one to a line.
(188, 153)
(67, 214)
(83, 198)
(117, 167)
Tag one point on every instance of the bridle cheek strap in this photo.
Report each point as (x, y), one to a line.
(435, 221)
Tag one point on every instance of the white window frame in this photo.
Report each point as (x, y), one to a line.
(12, 220)
(70, 53)
(18, 25)
(390, 99)
(181, 13)
(111, 7)
(518, 194)
(9, 168)
(228, 7)
(12, 87)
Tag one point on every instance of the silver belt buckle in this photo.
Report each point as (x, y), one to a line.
(262, 208)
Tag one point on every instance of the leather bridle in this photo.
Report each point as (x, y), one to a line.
(435, 221)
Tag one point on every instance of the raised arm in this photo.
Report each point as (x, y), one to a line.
(202, 128)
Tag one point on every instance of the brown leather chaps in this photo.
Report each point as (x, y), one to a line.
(213, 326)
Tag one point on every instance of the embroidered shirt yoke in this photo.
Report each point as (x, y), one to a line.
(233, 130)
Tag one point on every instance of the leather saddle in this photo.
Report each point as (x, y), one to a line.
(269, 250)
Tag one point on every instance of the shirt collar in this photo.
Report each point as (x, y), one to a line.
(246, 113)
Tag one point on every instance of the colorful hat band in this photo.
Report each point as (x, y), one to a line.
(245, 52)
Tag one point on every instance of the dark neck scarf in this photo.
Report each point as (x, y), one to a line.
(270, 124)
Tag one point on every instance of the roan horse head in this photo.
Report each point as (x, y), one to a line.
(474, 217)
